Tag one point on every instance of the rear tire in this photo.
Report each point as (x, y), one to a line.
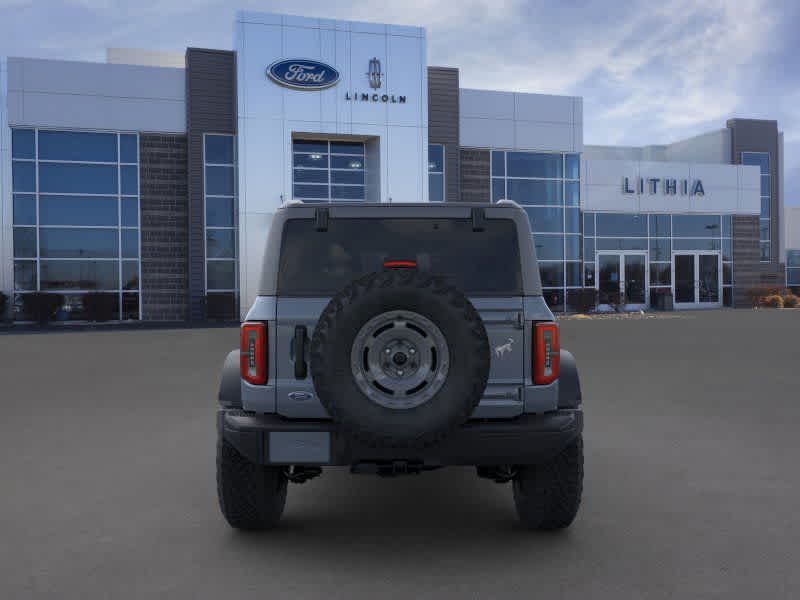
(251, 496)
(548, 496)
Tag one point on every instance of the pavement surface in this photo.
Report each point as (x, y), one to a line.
(692, 482)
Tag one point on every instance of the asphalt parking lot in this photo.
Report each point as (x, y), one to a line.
(692, 479)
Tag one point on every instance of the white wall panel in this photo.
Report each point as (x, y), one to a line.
(542, 107)
(486, 104)
(405, 145)
(405, 80)
(486, 133)
(539, 135)
(363, 47)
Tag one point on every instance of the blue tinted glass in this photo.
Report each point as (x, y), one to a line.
(696, 225)
(588, 271)
(498, 163)
(765, 208)
(347, 162)
(763, 228)
(130, 275)
(546, 219)
(357, 177)
(660, 249)
(573, 274)
(309, 146)
(80, 275)
(436, 187)
(661, 274)
(695, 244)
(588, 249)
(759, 159)
(572, 247)
(77, 210)
(315, 161)
(219, 212)
(552, 274)
(78, 243)
(23, 176)
(726, 226)
(25, 242)
(23, 143)
(347, 192)
(435, 158)
(311, 175)
(628, 225)
(660, 226)
(727, 274)
(588, 224)
(572, 220)
(529, 164)
(128, 149)
(549, 247)
(220, 274)
(129, 180)
(130, 212)
(621, 244)
(793, 258)
(24, 209)
(347, 148)
(498, 189)
(572, 191)
(765, 185)
(765, 251)
(310, 191)
(573, 166)
(219, 149)
(77, 179)
(220, 243)
(528, 191)
(793, 277)
(74, 145)
(727, 249)
(219, 181)
(24, 275)
(130, 306)
(130, 243)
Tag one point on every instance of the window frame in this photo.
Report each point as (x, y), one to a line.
(235, 217)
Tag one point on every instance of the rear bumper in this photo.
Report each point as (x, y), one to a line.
(271, 439)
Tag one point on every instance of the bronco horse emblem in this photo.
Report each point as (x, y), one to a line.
(501, 350)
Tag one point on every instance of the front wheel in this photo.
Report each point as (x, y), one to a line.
(548, 496)
(251, 496)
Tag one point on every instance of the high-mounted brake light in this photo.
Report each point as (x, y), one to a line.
(546, 353)
(402, 264)
(253, 353)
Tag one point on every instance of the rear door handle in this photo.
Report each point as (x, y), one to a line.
(299, 350)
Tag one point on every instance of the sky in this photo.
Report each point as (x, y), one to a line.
(649, 72)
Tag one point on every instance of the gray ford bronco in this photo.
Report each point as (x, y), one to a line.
(395, 339)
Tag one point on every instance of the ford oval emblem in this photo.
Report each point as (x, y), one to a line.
(300, 396)
(303, 74)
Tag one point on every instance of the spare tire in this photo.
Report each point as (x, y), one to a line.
(399, 358)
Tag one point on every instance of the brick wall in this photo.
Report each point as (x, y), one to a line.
(746, 253)
(475, 185)
(165, 227)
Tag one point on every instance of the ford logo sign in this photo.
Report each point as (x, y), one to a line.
(303, 74)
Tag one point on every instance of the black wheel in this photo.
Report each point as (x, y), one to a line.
(399, 358)
(548, 496)
(251, 496)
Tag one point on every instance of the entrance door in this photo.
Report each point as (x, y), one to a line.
(622, 280)
(697, 279)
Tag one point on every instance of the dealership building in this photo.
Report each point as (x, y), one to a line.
(154, 176)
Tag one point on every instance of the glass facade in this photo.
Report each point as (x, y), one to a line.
(221, 222)
(436, 173)
(761, 160)
(325, 171)
(76, 219)
(793, 268)
(547, 186)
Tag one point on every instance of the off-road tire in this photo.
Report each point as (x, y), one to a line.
(251, 496)
(548, 496)
(399, 290)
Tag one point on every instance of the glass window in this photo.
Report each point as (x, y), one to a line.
(78, 146)
(696, 225)
(552, 273)
(572, 220)
(436, 187)
(793, 258)
(530, 164)
(129, 180)
(303, 191)
(435, 173)
(572, 247)
(219, 181)
(623, 225)
(25, 275)
(549, 247)
(128, 148)
(77, 179)
(347, 192)
(23, 143)
(765, 207)
(763, 229)
(554, 298)
(727, 226)
(572, 193)
(130, 306)
(130, 212)
(219, 149)
(498, 164)
(546, 219)
(311, 175)
(347, 162)
(531, 191)
(765, 251)
(79, 275)
(588, 274)
(357, 177)
(759, 159)
(660, 274)
(77, 210)
(621, 244)
(25, 242)
(498, 189)
(311, 161)
(660, 249)
(793, 277)
(24, 209)
(660, 226)
(435, 158)
(312, 146)
(573, 166)
(23, 176)
(130, 275)
(765, 185)
(221, 274)
(130, 243)
(347, 148)
(727, 296)
(588, 249)
(573, 274)
(220, 243)
(727, 249)
(588, 224)
(695, 244)
(727, 273)
(56, 242)
(219, 212)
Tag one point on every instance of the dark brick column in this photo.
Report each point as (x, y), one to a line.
(746, 255)
(165, 226)
(475, 184)
(443, 124)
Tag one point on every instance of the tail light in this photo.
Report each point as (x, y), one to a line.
(546, 353)
(253, 357)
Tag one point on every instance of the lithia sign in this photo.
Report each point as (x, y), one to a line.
(306, 74)
(669, 187)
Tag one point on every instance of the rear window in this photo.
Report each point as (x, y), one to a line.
(320, 263)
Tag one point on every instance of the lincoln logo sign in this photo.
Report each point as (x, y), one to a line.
(302, 74)
(670, 187)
